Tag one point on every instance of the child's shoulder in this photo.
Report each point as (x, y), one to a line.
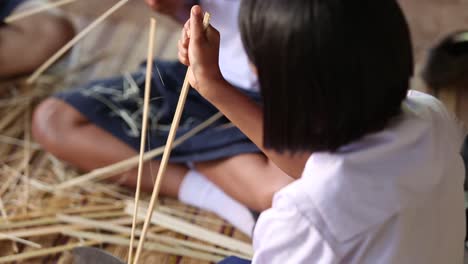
(369, 181)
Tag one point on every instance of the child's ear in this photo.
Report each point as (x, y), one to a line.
(253, 68)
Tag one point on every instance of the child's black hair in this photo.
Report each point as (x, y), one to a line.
(447, 63)
(330, 71)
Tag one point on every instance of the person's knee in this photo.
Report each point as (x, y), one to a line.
(264, 199)
(57, 29)
(38, 38)
(50, 122)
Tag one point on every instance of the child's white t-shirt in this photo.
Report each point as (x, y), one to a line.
(393, 197)
(233, 60)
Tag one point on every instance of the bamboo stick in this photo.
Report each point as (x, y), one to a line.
(75, 40)
(3, 210)
(38, 231)
(80, 210)
(14, 131)
(116, 240)
(94, 208)
(36, 222)
(12, 116)
(45, 252)
(76, 220)
(170, 241)
(191, 230)
(10, 181)
(53, 220)
(16, 142)
(27, 155)
(54, 229)
(39, 9)
(122, 166)
(189, 216)
(20, 240)
(149, 72)
(166, 154)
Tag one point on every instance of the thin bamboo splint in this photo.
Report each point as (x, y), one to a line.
(166, 154)
(73, 42)
(149, 72)
(33, 11)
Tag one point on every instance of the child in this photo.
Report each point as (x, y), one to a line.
(383, 184)
(99, 124)
(446, 71)
(25, 44)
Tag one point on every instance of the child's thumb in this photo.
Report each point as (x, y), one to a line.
(196, 23)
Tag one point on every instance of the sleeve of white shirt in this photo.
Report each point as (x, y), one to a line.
(284, 235)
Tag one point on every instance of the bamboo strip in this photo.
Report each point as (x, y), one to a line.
(53, 220)
(122, 166)
(101, 215)
(170, 241)
(39, 9)
(149, 72)
(75, 40)
(189, 216)
(94, 208)
(12, 116)
(39, 231)
(76, 220)
(19, 240)
(13, 131)
(57, 167)
(54, 229)
(90, 197)
(36, 222)
(45, 252)
(166, 154)
(189, 229)
(27, 155)
(116, 240)
(10, 181)
(112, 190)
(3, 210)
(80, 210)
(16, 142)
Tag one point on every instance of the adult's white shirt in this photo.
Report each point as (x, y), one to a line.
(233, 60)
(392, 197)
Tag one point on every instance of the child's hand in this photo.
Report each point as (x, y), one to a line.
(199, 49)
(169, 7)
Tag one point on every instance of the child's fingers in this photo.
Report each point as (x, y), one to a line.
(183, 59)
(182, 48)
(187, 28)
(212, 34)
(182, 53)
(184, 38)
(196, 24)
